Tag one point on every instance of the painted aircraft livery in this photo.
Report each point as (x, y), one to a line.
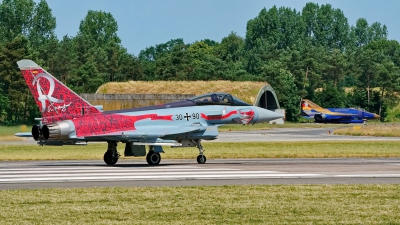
(310, 110)
(69, 119)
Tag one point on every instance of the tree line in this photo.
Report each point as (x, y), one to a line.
(313, 53)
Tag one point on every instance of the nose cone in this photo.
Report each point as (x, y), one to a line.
(376, 116)
(265, 115)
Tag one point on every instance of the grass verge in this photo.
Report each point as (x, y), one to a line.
(11, 130)
(245, 204)
(378, 130)
(217, 150)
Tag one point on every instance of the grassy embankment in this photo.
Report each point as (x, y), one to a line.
(245, 204)
(244, 90)
(217, 150)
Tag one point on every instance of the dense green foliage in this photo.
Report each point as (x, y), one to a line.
(313, 54)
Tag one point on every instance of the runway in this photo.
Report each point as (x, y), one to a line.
(67, 174)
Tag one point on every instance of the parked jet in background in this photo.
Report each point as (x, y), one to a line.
(69, 119)
(310, 110)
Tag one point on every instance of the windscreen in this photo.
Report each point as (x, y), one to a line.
(218, 98)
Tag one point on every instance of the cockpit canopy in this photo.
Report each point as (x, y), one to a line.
(218, 98)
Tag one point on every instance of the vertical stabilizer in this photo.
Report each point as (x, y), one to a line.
(55, 100)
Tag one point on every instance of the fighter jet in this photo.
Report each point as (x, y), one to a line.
(310, 110)
(69, 119)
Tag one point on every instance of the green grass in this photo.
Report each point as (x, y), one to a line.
(245, 204)
(11, 130)
(7, 132)
(216, 150)
(379, 130)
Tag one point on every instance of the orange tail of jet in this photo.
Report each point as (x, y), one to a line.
(55, 100)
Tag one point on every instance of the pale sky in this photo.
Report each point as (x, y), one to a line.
(145, 23)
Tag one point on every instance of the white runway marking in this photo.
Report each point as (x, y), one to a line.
(96, 170)
(391, 175)
(91, 173)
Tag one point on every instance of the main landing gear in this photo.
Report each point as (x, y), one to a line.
(153, 158)
(111, 156)
(201, 159)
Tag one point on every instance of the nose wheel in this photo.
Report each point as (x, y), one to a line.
(201, 159)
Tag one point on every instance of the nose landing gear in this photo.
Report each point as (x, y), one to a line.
(201, 159)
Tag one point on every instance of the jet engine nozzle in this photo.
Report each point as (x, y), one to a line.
(37, 133)
(320, 118)
(58, 131)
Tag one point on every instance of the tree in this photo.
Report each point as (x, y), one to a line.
(100, 28)
(15, 97)
(16, 18)
(367, 70)
(326, 26)
(331, 96)
(34, 21)
(43, 25)
(4, 103)
(230, 49)
(364, 34)
(335, 67)
(86, 78)
(287, 94)
(150, 55)
(388, 82)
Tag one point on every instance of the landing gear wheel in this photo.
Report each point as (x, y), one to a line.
(153, 158)
(109, 159)
(201, 159)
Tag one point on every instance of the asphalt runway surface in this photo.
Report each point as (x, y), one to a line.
(67, 174)
(136, 172)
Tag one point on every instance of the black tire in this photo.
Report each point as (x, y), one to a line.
(109, 159)
(153, 158)
(201, 159)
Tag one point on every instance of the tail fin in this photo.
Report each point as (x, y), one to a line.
(55, 100)
(309, 109)
(307, 105)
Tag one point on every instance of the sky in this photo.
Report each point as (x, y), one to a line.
(145, 23)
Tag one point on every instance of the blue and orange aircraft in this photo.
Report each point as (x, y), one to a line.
(69, 119)
(310, 110)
